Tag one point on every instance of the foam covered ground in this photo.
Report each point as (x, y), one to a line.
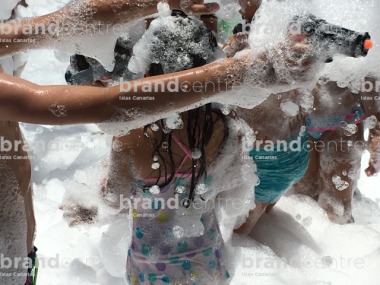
(296, 232)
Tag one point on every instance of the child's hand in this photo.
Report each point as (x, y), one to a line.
(75, 214)
(292, 60)
(237, 43)
(289, 63)
(194, 7)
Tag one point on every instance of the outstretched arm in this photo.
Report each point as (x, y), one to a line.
(81, 16)
(23, 101)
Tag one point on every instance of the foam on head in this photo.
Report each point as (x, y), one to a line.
(174, 43)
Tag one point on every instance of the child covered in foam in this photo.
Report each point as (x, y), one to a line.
(158, 166)
(184, 244)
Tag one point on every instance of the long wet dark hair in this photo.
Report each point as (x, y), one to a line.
(194, 125)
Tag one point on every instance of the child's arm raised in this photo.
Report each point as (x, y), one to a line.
(23, 101)
(78, 18)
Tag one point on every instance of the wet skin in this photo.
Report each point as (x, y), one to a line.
(21, 168)
(330, 100)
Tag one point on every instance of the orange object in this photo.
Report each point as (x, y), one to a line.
(368, 44)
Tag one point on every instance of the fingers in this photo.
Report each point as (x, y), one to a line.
(75, 223)
(298, 37)
(194, 7)
(300, 48)
(237, 43)
(242, 38)
(300, 54)
(204, 9)
(375, 141)
(370, 171)
(76, 215)
(71, 219)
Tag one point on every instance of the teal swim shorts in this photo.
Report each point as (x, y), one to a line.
(280, 167)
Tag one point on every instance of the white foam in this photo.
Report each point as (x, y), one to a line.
(297, 226)
(289, 108)
(6, 7)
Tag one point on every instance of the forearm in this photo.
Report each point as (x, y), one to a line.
(26, 102)
(80, 17)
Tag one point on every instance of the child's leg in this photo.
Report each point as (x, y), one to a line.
(338, 167)
(118, 183)
(30, 218)
(269, 207)
(309, 184)
(254, 216)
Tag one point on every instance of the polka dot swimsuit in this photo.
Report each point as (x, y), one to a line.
(158, 256)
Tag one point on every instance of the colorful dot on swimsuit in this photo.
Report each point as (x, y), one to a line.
(142, 277)
(135, 214)
(139, 233)
(207, 251)
(146, 249)
(146, 194)
(164, 249)
(217, 253)
(162, 217)
(152, 277)
(211, 234)
(165, 280)
(195, 275)
(212, 264)
(160, 266)
(174, 259)
(182, 246)
(198, 241)
(186, 265)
